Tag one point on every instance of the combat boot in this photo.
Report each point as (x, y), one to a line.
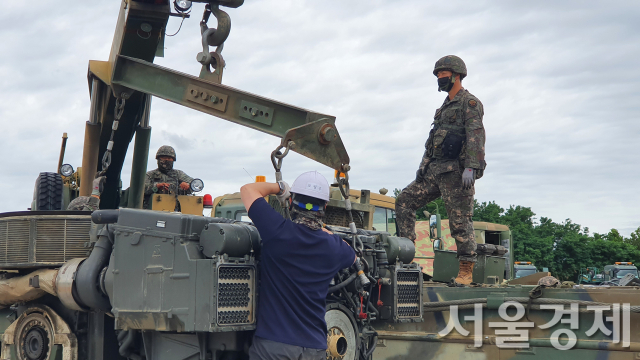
(465, 274)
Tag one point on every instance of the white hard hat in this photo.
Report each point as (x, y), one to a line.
(311, 184)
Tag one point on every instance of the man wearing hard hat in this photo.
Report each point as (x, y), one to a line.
(299, 258)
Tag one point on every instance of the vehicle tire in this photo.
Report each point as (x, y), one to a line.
(48, 192)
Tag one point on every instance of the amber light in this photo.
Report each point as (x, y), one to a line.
(261, 178)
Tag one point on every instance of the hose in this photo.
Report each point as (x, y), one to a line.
(125, 348)
(348, 281)
(88, 275)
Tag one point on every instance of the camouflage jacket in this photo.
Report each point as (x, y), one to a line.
(457, 134)
(172, 177)
(84, 203)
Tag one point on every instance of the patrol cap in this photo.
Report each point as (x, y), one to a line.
(311, 184)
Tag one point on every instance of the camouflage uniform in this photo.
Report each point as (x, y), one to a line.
(172, 177)
(84, 203)
(456, 142)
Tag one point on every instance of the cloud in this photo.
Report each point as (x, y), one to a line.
(557, 80)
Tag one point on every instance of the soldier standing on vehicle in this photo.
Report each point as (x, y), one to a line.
(165, 177)
(297, 262)
(453, 160)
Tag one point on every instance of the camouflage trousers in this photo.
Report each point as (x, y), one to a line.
(458, 201)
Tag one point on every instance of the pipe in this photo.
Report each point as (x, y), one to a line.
(88, 275)
(17, 289)
(63, 147)
(91, 148)
(140, 158)
(105, 216)
(348, 281)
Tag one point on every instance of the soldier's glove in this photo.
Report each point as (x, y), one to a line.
(162, 186)
(422, 170)
(98, 185)
(184, 186)
(468, 178)
(284, 193)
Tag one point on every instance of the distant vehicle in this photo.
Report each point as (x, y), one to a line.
(523, 268)
(619, 270)
(591, 276)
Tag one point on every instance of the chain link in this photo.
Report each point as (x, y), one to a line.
(276, 159)
(117, 114)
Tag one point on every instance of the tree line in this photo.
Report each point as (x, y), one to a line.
(564, 247)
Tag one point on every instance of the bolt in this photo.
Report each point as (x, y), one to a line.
(204, 96)
(201, 58)
(194, 93)
(146, 27)
(214, 99)
(221, 232)
(254, 112)
(329, 134)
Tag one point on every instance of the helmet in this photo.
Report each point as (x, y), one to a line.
(548, 281)
(166, 150)
(451, 63)
(311, 184)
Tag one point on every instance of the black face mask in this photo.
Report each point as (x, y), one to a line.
(165, 165)
(446, 83)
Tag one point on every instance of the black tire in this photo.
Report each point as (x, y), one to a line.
(48, 191)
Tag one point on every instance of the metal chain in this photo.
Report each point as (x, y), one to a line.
(343, 185)
(117, 114)
(276, 159)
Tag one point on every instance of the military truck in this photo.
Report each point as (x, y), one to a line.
(370, 211)
(619, 270)
(131, 283)
(523, 268)
(440, 244)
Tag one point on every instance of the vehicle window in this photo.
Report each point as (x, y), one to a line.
(242, 216)
(380, 219)
(391, 222)
(620, 274)
(525, 272)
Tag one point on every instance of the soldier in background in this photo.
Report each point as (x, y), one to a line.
(453, 160)
(165, 177)
(89, 203)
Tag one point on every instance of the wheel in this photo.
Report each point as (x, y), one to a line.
(342, 341)
(33, 338)
(47, 194)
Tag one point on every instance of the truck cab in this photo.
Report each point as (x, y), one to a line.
(429, 242)
(370, 211)
(523, 268)
(619, 270)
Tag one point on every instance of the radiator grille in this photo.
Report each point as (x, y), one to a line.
(14, 241)
(236, 291)
(42, 239)
(409, 300)
(339, 217)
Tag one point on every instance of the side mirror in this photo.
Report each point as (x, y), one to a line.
(435, 231)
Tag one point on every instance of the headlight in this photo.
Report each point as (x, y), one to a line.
(66, 170)
(182, 5)
(197, 185)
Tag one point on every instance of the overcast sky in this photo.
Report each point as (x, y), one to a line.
(558, 81)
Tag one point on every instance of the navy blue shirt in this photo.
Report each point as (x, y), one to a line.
(296, 267)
